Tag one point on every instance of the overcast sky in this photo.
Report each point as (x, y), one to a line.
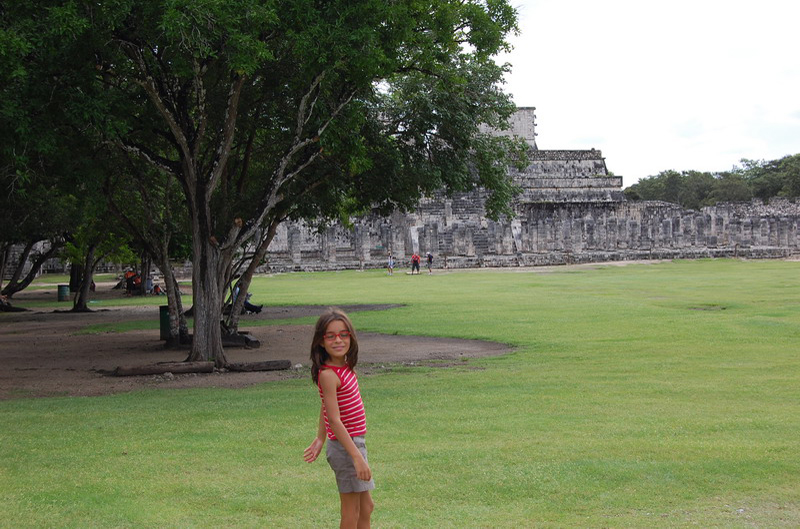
(657, 85)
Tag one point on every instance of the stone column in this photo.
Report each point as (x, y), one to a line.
(294, 242)
(361, 242)
(700, 230)
(763, 239)
(398, 243)
(601, 233)
(448, 212)
(747, 231)
(328, 245)
(588, 227)
(611, 233)
(773, 232)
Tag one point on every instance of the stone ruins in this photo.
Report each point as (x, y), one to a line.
(571, 210)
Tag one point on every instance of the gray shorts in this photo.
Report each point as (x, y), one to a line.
(343, 467)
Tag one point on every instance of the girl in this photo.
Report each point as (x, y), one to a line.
(334, 354)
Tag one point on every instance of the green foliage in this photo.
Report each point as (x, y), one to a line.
(111, 245)
(730, 187)
(774, 178)
(33, 209)
(48, 165)
(419, 78)
(694, 189)
(663, 394)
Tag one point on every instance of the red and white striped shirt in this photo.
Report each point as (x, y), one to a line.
(351, 407)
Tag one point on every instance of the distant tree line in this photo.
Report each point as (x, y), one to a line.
(696, 189)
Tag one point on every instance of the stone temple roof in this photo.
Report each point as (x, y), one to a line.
(568, 176)
(591, 154)
(560, 176)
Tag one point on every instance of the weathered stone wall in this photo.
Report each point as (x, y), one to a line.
(570, 210)
(457, 233)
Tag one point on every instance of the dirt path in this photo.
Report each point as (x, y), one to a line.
(41, 355)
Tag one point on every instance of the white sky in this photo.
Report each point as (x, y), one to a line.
(657, 85)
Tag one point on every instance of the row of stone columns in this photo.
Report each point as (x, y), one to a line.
(540, 228)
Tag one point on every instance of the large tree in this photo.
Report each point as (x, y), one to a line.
(37, 209)
(144, 201)
(263, 110)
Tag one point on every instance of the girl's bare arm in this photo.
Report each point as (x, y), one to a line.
(312, 452)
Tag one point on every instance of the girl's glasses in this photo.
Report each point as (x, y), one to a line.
(331, 336)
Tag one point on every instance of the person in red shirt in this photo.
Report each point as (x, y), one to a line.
(342, 420)
(414, 263)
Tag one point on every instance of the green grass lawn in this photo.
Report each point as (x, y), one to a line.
(648, 395)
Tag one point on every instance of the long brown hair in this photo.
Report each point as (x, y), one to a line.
(318, 353)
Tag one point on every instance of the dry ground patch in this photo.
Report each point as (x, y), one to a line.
(42, 354)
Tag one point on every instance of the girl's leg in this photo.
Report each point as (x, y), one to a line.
(356, 510)
(365, 512)
(351, 507)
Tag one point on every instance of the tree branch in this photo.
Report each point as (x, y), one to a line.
(281, 177)
(159, 162)
(148, 84)
(202, 118)
(228, 132)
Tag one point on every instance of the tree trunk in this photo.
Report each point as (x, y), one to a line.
(207, 300)
(23, 258)
(247, 277)
(145, 273)
(15, 285)
(75, 276)
(164, 367)
(82, 297)
(178, 329)
(266, 365)
(5, 251)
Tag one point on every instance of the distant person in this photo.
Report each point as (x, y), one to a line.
(429, 259)
(130, 282)
(390, 264)
(247, 307)
(414, 263)
(334, 354)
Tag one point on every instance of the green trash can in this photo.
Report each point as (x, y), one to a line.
(163, 314)
(63, 292)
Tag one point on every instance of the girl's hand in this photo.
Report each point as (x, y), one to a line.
(363, 472)
(312, 452)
